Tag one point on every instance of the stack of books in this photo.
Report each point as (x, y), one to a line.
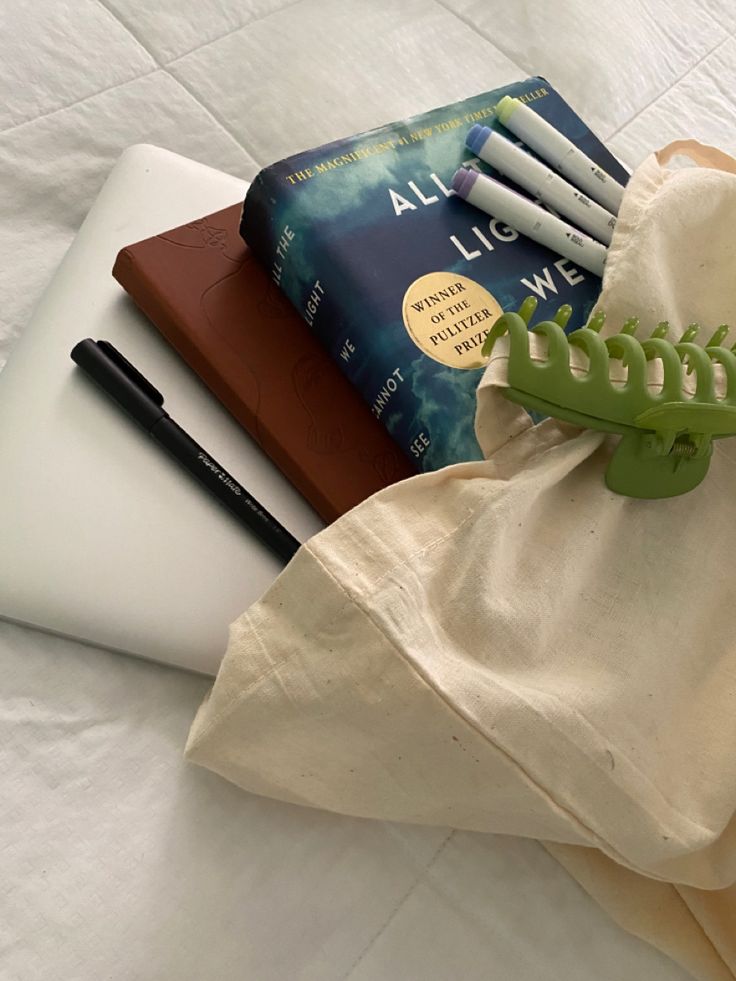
(332, 316)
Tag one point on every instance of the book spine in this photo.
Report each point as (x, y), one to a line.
(256, 220)
(271, 238)
(275, 240)
(155, 307)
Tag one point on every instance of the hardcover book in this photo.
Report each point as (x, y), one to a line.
(398, 277)
(211, 299)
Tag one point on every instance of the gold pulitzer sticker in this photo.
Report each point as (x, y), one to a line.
(448, 317)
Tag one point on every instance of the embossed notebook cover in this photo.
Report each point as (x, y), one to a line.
(215, 304)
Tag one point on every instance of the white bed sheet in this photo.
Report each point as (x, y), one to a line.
(119, 861)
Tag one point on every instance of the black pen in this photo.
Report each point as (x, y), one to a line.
(106, 366)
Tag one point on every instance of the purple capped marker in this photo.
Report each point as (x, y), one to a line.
(529, 219)
(541, 182)
(463, 181)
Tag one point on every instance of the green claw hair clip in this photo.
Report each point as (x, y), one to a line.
(667, 435)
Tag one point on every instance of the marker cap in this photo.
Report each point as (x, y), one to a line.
(463, 181)
(476, 138)
(505, 107)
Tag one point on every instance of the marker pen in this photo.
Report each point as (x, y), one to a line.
(560, 152)
(539, 180)
(528, 218)
(134, 393)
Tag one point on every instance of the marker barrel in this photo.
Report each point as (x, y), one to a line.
(560, 153)
(543, 183)
(528, 218)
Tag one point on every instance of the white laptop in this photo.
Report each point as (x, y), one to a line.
(102, 537)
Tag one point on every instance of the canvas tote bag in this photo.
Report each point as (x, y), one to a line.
(508, 646)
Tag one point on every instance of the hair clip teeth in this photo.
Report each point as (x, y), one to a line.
(719, 336)
(527, 308)
(667, 432)
(597, 321)
(563, 315)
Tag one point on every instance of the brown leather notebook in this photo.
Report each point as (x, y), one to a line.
(215, 304)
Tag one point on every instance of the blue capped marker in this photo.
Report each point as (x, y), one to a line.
(541, 182)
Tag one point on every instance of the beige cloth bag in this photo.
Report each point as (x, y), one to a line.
(507, 646)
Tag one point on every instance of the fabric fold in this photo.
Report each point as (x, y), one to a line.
(508, 646)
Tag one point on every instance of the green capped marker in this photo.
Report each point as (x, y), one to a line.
(559, 152)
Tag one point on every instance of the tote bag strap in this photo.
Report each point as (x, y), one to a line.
(700, 153)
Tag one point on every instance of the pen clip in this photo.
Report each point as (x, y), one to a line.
(131, 372)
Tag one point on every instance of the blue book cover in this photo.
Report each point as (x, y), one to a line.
(381, 258)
